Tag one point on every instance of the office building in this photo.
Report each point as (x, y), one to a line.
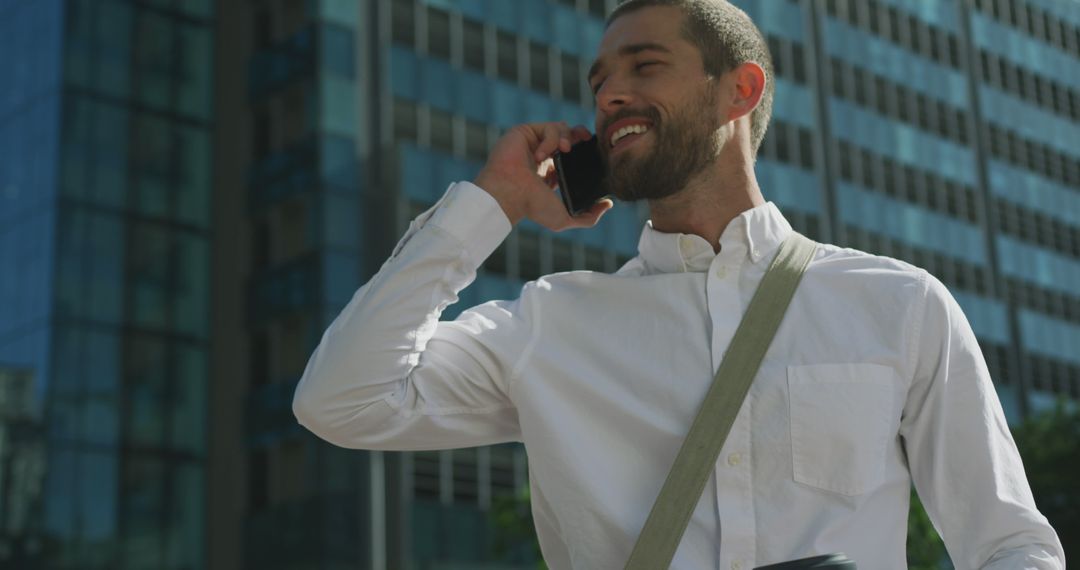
(105, 184)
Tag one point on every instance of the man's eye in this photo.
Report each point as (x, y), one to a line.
(645, 64)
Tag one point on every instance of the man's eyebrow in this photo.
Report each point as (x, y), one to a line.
(630, 49)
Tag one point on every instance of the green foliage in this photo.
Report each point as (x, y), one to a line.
(515, 535)
(1049, 443)
(925, 550)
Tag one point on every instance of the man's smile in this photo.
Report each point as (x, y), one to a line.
(627, 138)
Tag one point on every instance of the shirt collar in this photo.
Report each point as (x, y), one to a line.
(753, 234)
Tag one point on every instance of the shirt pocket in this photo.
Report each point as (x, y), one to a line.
(840, 425)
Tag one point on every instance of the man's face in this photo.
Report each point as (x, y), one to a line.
(657, 112)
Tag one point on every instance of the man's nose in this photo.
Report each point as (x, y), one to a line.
(613, 95)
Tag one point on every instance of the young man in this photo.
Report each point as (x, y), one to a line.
(874, 379)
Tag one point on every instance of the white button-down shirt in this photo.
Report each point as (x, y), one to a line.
(874, 380)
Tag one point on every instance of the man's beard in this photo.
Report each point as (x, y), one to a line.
(682, 148)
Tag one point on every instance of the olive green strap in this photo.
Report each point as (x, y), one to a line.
(671, 512)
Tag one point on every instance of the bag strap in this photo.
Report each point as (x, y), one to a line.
(671, 512)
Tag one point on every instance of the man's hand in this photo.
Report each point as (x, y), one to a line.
(520, 175)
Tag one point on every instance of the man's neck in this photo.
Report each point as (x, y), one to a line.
(709, 202)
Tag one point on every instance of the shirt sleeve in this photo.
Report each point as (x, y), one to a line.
(963, 461)
(388, 375)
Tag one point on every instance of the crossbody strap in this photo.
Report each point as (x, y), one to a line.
(671, 512)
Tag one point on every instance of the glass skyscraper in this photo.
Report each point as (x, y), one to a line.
(191, 191)
(105, 184)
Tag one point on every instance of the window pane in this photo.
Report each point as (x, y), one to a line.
(571, 78)
(188, 400)
(442, 136)
(149, 275)
(154, 41)
(184, 533)
(402, 23)
(98, 483)
(507, 56)
(405, 120)
(799, 63)
(144, 491)
(539, 70)
(152, 157)
(475, 140)
(337, 50)
(194, 75)
(474, 45)
(439, 33)
(190, 284)
(193, 185)
(147, 364)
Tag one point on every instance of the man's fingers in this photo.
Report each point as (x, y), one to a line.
(580, 133)
(554, 136)
(589, 218)
(556, 218)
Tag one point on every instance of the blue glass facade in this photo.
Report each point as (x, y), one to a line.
(106, 129)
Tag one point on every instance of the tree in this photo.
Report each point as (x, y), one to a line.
(925, 550)
(1049, 443)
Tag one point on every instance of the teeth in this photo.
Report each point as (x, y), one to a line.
(634, 129)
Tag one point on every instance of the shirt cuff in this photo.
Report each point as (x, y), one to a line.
(475, 218)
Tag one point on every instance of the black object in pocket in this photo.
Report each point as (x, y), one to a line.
(835, 561)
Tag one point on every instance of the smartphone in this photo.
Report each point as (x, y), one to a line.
(581, 176)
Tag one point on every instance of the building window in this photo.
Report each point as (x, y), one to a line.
(571, 78)
(466, 480)
(783, 150)
(798, 57)
(806, 150)
(893, 29)
(476, 145)
(425, 475)
(405, 123)
(778, 60)
(539, 68)
(597, 8)
(442, 131)
(438, 22)
(506, 47)
(403, 22)
(473, 33)
(881, 96)
(858, 78)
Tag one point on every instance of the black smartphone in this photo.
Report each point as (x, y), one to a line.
(581, 176)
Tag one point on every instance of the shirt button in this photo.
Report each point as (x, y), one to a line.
(685, 243)
(734, 459)
(721, 272)
(736, 565)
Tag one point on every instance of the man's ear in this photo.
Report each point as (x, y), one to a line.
(748, 87)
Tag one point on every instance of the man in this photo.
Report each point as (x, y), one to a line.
(874, 379)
